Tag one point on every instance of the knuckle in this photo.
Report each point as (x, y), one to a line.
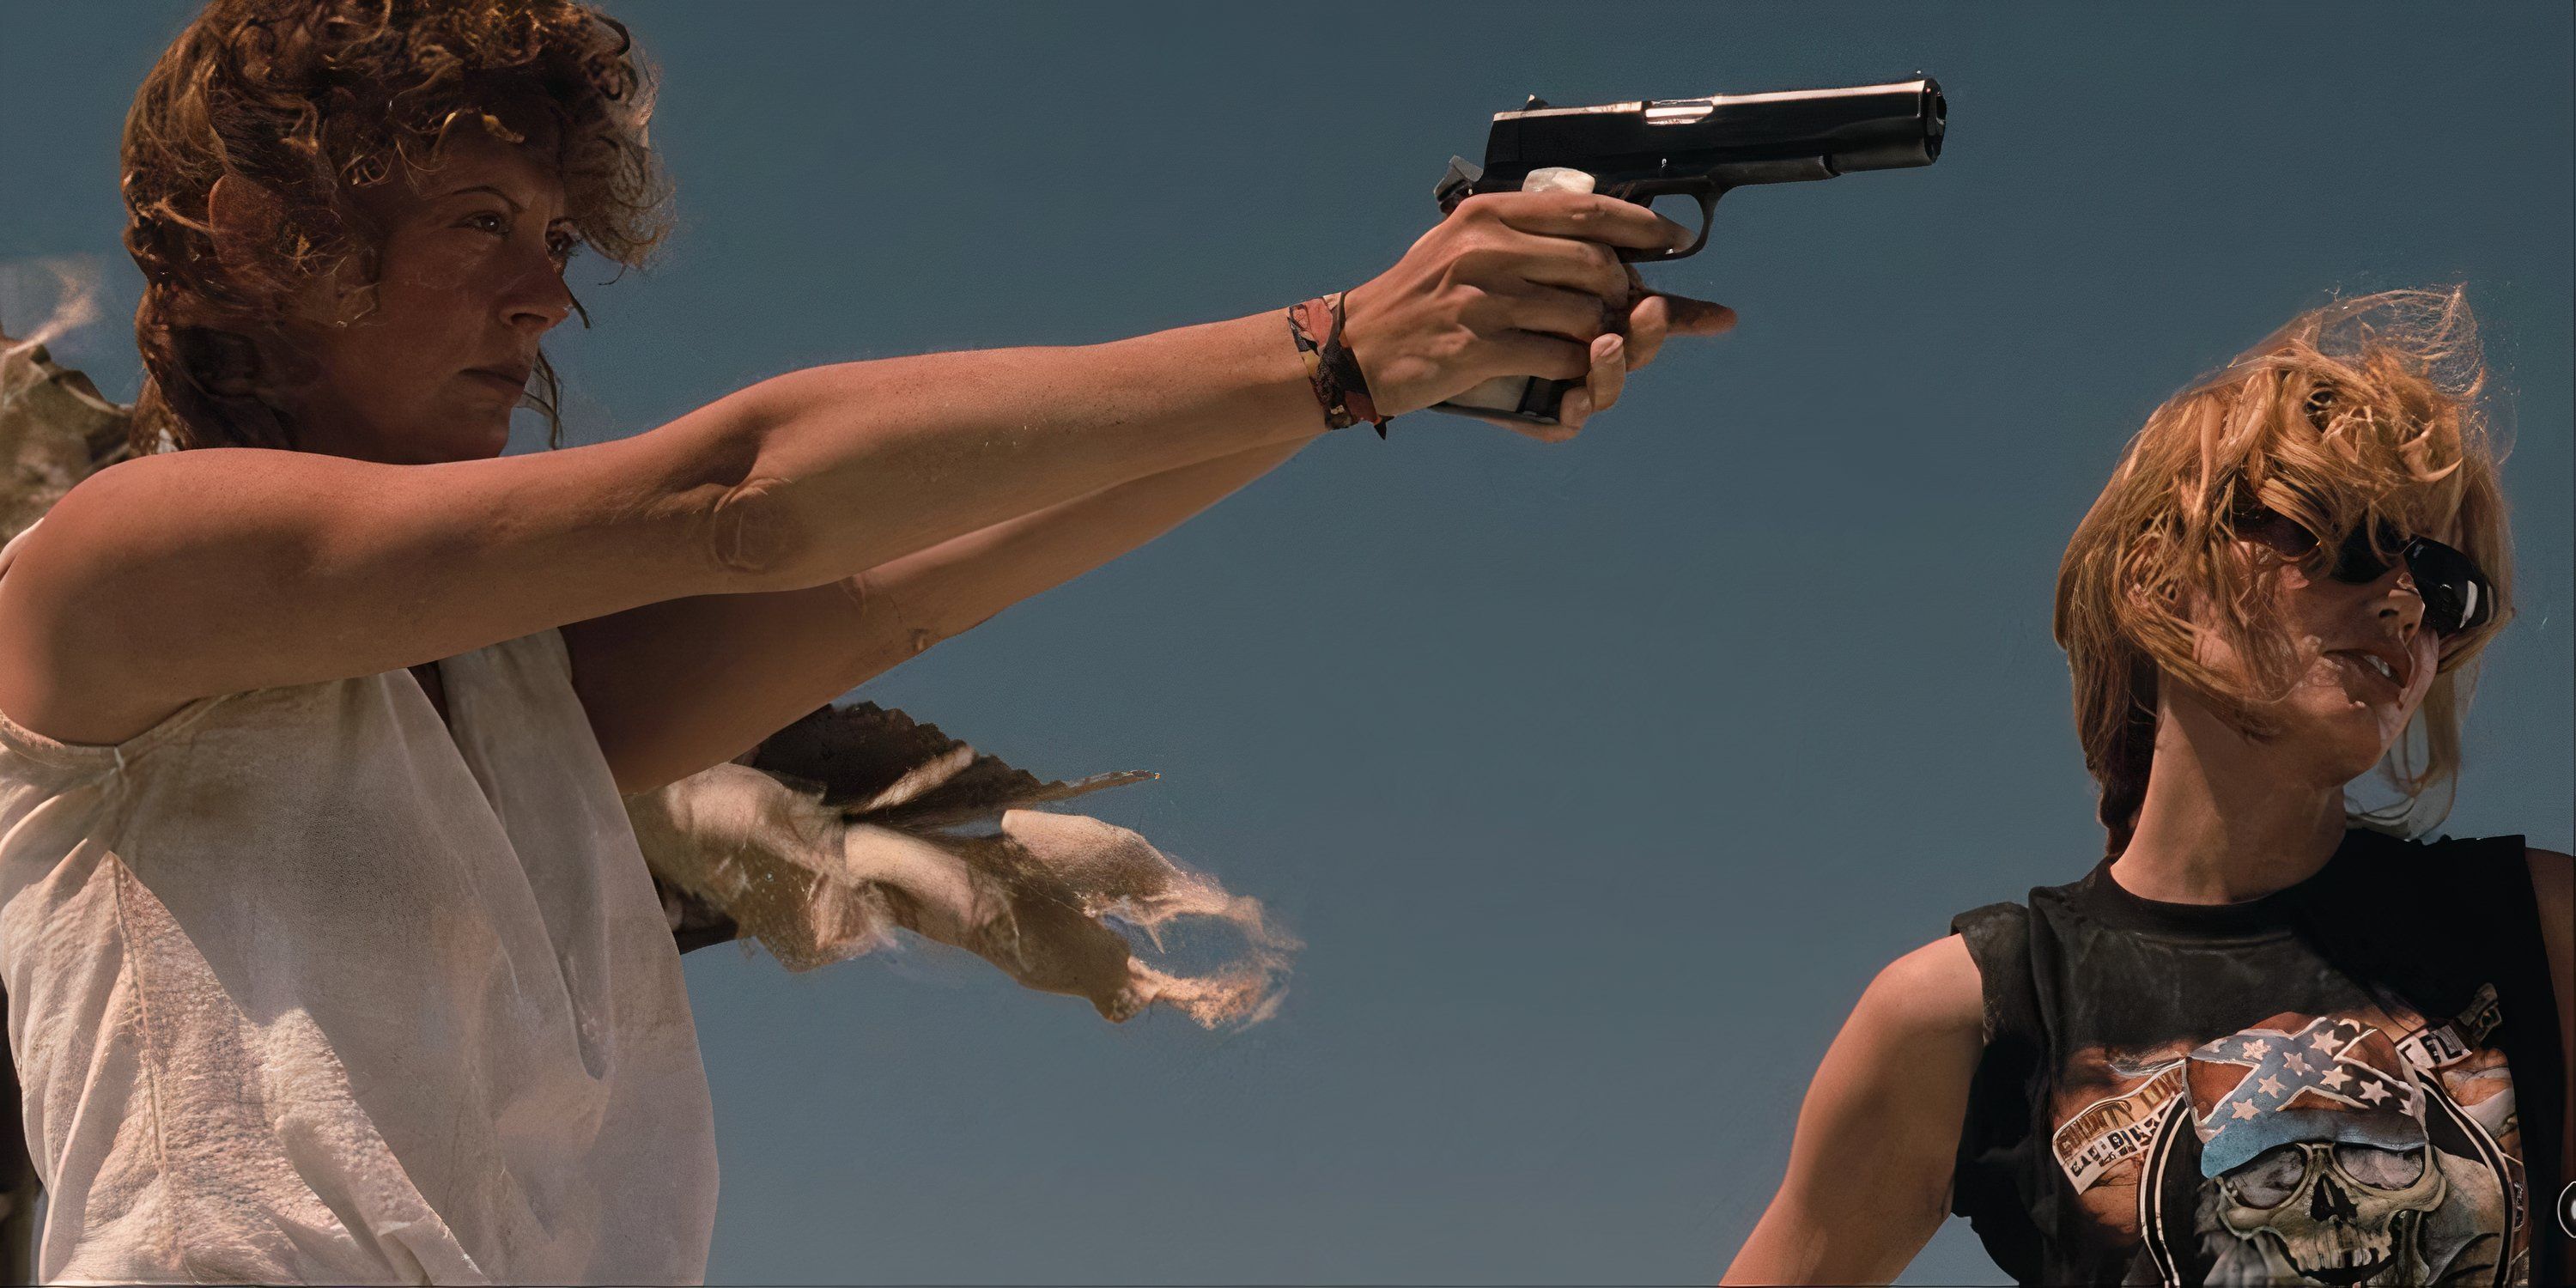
(1483, 314)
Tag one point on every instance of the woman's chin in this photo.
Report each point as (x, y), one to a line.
(487, 436)
(2345, 743)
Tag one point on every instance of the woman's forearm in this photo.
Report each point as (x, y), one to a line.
(865, 463)
(908, 604)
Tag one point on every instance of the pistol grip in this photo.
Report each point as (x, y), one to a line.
(1535, 400)
(1531, 400)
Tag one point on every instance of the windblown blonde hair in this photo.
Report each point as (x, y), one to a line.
(2365, 410)
(301, 102)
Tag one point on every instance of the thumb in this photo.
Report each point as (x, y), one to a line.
(1698, 317)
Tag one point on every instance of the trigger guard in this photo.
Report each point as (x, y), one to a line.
(1707, 220)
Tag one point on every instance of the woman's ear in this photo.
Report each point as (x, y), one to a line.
(243, 219)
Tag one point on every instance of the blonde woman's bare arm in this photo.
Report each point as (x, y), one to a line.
(1869, 1169)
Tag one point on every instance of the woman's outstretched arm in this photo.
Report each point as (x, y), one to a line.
(1869, 1169)
(856, 464)
(677, 686)
(934, 594)
(909, 604)
(674, 687)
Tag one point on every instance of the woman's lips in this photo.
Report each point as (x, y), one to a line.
(500, 381)
(2367, 669)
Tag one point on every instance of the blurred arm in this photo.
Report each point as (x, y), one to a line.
(1869, 1170)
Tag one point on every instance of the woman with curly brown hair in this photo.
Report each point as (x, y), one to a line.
(328, 948)
(2268, 1039)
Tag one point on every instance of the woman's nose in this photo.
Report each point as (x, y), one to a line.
(2399, 599)
(538, 297)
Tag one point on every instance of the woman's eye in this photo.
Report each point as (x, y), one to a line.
(499, 224)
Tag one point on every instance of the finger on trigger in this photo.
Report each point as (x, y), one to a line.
(1590, 217)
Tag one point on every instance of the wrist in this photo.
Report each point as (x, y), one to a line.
(1318, 328)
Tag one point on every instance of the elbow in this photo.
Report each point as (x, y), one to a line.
(754, 540)
(757, 535)
(764, 530)
(725, 501)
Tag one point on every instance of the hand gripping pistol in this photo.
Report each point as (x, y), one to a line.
(1701, 148)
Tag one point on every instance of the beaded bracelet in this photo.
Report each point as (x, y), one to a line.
(1331, 366)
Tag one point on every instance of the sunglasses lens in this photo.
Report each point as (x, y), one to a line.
(2283, 535)
(2359, 562)
(2457, 597)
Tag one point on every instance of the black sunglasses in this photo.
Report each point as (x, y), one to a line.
(2457, 597)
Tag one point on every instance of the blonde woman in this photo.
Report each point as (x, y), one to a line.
(328, 949)
(2267, 1039)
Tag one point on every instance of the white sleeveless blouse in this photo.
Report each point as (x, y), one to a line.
(303, 989)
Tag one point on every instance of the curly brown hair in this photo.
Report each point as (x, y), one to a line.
(302, 102)
(2362, 411)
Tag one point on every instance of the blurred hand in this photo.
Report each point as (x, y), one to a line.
(1521, 284)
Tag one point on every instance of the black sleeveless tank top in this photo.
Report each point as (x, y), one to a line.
(2353, 1080)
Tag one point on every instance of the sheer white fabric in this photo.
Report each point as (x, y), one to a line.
(303, 989)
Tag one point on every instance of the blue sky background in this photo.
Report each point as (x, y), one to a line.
(1598, 778)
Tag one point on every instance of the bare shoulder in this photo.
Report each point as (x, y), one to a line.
(1871, 1163)
(82, 685)
(183, 575)
(1932, 992)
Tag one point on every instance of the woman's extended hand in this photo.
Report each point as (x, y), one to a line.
(1521, 284)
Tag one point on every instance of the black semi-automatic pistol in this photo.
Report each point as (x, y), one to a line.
(1696, 147)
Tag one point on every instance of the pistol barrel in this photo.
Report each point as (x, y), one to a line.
(1730, 139)
(1694, 147)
